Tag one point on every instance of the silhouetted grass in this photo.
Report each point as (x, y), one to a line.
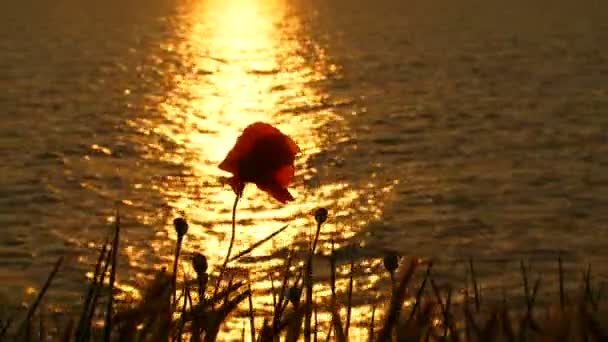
(414, 311)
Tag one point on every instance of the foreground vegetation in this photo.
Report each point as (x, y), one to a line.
(197, 309)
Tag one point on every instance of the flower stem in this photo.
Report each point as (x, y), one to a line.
(225, 263)
(178, 248)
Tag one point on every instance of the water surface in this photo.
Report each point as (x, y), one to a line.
(441, 130)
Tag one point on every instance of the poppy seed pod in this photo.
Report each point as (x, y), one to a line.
(199, 263)
(391, 261)
(264, 156)
(321, 215)
(181, 226)
(294, 295)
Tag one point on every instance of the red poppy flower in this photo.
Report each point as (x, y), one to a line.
(264, 156)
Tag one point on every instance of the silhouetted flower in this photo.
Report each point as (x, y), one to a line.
(264, 156)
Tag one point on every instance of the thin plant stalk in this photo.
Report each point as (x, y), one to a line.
(332, 268)
(371, 324)
(114, 262)
(42, 327)
(274, 297)
(83, 323)
(232, 237)
(28, 331)
(38, 299)
(447, 320)
(309, 285)
(350, 298)
(337, 321)
(258, 243)
(474, 283)
(329, 331)
(427, 274)
(67, 333)
(178, 248)
(5, 327)
(98, 285)
(562, 297)
(507, 326)
(315, 332)
(308, 304)
(251, 315)
(525, 280)
(281, 305)
(396, 304)
(184, 308)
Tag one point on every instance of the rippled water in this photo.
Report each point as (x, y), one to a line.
(443, 130)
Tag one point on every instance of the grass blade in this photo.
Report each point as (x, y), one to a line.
(113, 263)
(475, 287)
(274, 297)
(398, 296)
(332, 268)
(38, 299)
(97, 290)
(350, 299)
(315, 332)
(370, 337)
(507, 326)
(329, 331)
(67, 333)
(251, 316)
(562, 297)
(295, 324)
(180, 330)
(222, 313)
(337, 321)
(525, 280)
(5, 327)
(282, 300)
(416, 306)
(308, 284)
(83, 323)
(42, 326)
(258, 243)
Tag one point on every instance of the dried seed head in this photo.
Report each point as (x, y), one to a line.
(321, 215)
(294, 295)
(391, 261)
(199, 262)
(181, 226)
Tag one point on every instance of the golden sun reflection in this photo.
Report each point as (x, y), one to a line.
(245, 64)
(247, 70)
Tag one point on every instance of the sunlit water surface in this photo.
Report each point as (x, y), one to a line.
(441, 130)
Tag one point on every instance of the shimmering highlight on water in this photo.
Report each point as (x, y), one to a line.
(437, 129)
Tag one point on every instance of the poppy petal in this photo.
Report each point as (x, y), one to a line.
(260, 129)
(229, 164)
(247, 141)
(280, 193)
(293, 147)
(235, 183)
(242, 147)
(284, 175)
(262, 155)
